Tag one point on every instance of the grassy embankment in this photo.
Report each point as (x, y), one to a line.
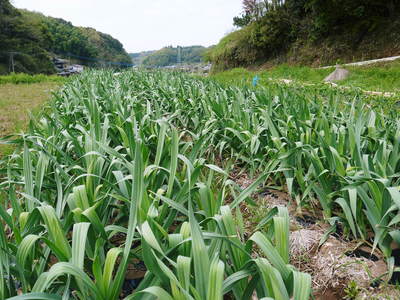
(384, 77)
(19, 95)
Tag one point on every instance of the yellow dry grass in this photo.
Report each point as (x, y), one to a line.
(16, 101)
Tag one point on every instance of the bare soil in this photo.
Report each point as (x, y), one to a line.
(334, 264)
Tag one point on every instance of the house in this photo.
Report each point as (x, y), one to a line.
(60, 64)
(76, 69)
(65, 69)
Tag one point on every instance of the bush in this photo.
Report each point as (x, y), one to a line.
(234, 50)
(255, 43)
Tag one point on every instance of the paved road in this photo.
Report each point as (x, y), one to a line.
(366, 62)
(334, 85)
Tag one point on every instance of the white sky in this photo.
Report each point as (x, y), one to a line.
(146, 24)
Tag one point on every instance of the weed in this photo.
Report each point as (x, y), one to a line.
(352, 290)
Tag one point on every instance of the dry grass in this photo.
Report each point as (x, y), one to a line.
(15, 103)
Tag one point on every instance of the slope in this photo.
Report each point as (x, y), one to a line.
(34, 39)
(310, 32)
(169, 56)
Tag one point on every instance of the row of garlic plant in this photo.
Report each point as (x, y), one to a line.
(335, 148)
(338, 149)
(119, 169)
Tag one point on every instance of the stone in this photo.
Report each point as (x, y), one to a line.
(338, 74)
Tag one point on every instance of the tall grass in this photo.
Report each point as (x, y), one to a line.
(121, 169)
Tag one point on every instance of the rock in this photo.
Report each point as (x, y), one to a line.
(338, 74)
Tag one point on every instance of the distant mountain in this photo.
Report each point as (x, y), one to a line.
(137, 58)
(35, 39)
(168, 56)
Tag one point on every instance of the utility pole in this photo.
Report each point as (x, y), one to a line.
(11, 66)
(179, 55)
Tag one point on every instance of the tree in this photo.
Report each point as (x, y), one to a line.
(37, 37)
(361, 15)
(253, 10)
(242, 20)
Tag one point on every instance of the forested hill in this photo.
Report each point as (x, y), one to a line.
(35, 38)
(137, 58)
(310, 32)
(168, 56)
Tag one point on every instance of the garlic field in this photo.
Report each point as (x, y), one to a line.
(135, 169)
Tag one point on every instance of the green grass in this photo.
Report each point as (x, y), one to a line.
(16, 101)
(377, 77)
(21, 78)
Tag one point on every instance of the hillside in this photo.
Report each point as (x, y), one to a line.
(309, 32)
(35, 38)
(137, 58)
(168, 56)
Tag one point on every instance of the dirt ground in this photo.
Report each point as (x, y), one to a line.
(340, 269)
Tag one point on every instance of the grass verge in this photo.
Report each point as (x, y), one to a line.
(26, 78)
(16, 101)
(384, 77)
